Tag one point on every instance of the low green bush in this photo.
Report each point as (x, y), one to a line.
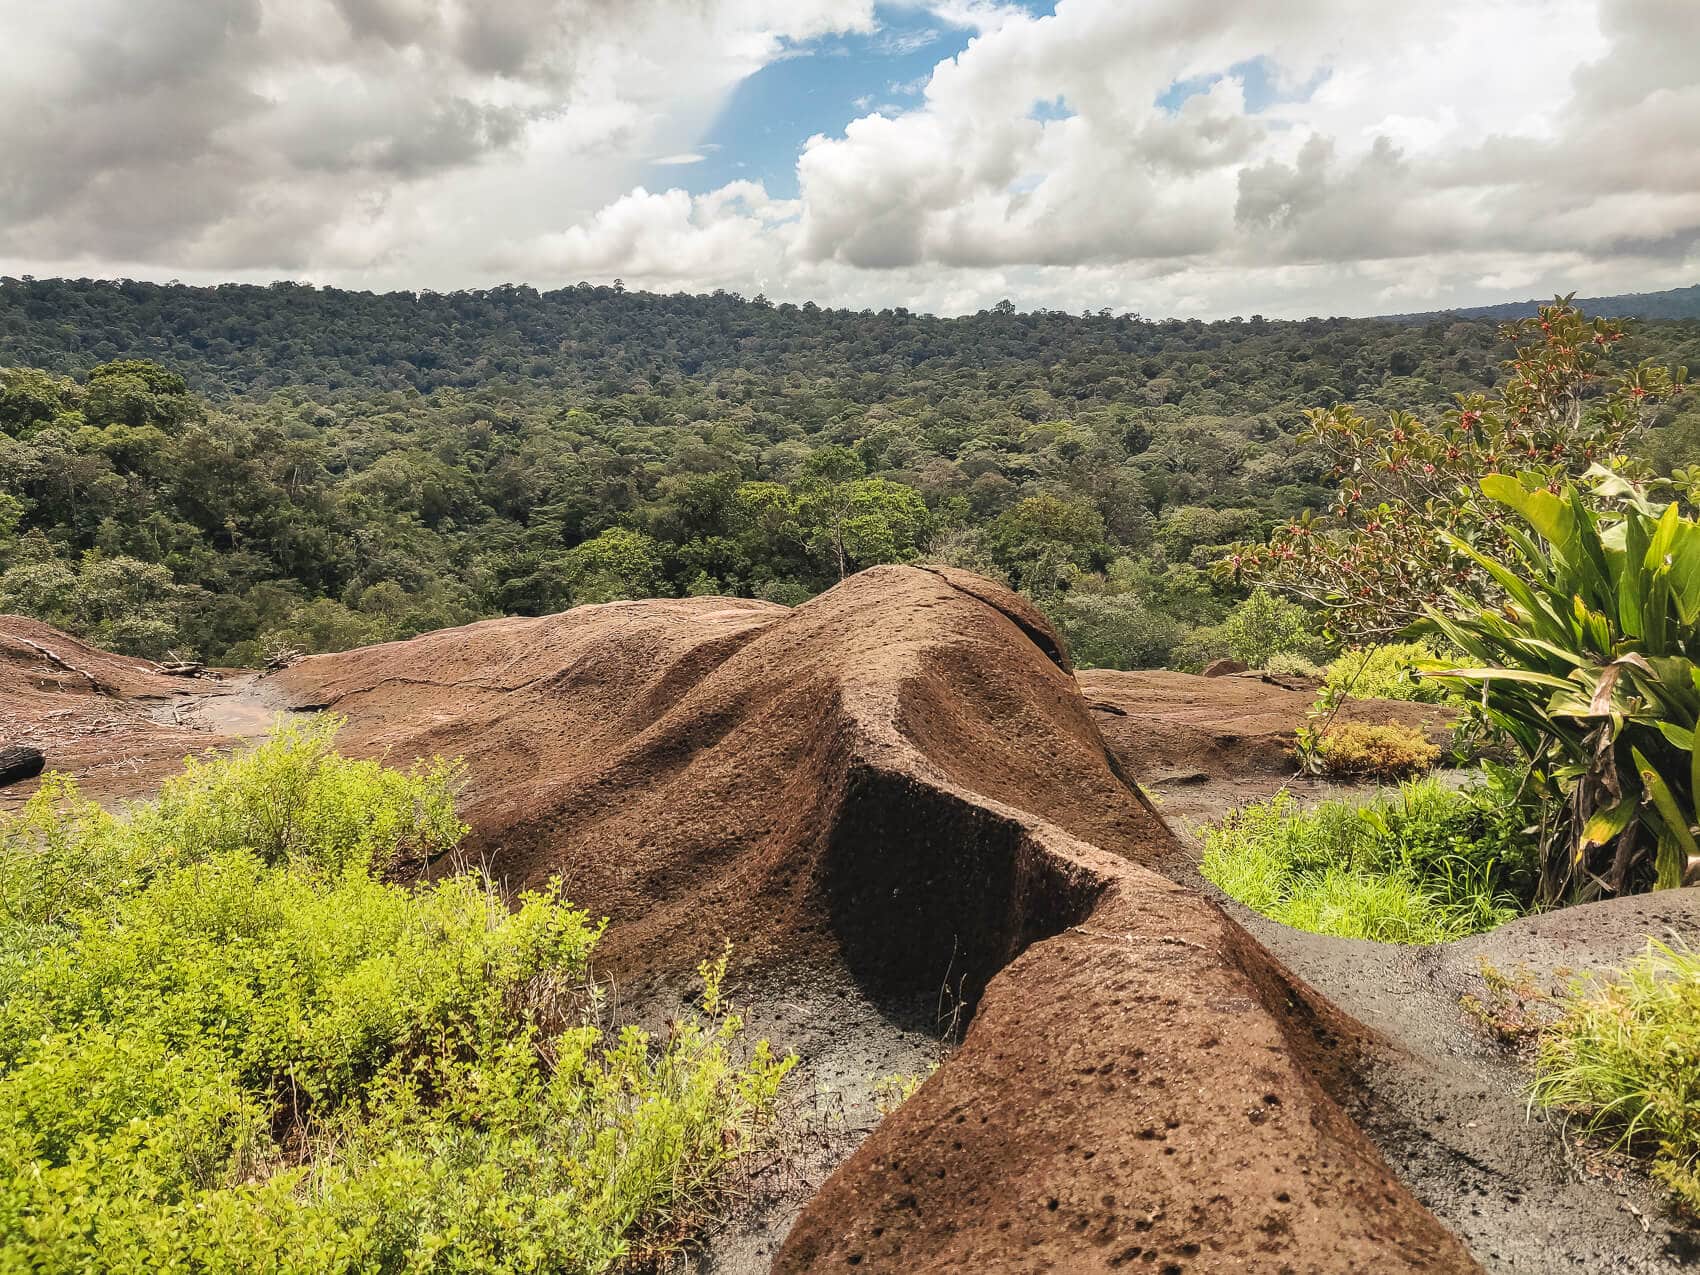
(1426, 865)
(1625, 1057)
(227, 1042)
(1387, 671)
(1292, 664)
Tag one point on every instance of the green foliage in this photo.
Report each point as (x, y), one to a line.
(618, 563)
(1041, 539)
(1387, 670)
(30, 397)
(116, 602)
(294, 799)
(1119, 631)
(1592, 667)
(1292, 664)
(226, 1043)
(1625, 1057)
(59, 854)
(351, 468)
(1198, 648)
(1428, 865)
(851, 521)
(1264, 626)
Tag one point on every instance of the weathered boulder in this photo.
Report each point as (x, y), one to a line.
(20, 761)
(1224, 668)
(899, 784)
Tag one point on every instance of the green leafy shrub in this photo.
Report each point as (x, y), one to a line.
(1426, 866)
(1198, 647)
(1626, 1058)
(1292, 664)
(237, 1047)
(1592, 667)
(294, 797)
(1118, 631)
(1265, 625)
(58, 853)
(1375, 750)
(1387, 671)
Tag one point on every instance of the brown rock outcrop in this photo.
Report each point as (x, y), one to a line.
(900, 781)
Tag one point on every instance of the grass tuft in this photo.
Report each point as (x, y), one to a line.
(1380, 750)
(1427, 865)
(1625, 1059)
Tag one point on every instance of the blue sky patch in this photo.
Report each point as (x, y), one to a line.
(1055, 109)
(1257, 78)
(819, 87)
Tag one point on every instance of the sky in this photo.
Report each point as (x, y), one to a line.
(1166, 157)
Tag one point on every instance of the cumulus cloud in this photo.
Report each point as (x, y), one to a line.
(1168, 156)
(277, 134)
(1394, 157)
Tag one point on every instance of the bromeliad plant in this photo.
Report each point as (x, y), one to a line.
(1592, 666)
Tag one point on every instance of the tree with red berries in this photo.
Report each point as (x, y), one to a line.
(1377, 557)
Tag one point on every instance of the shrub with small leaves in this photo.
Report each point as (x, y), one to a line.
(1292, 664)
(1379, 750)
(227, 1043)
(293, 797)
(1266, 625)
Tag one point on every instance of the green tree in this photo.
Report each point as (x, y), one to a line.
(1408, 487)
(865, 522)
(117, 602)
(29, 396)
(1119, 631)
(618, 563)
(1265, 625)
(136, 392)
(824, 502)
(1038, 537)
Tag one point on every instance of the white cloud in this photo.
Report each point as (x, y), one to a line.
(1374, 157)
(1443, 150)
(976, 15)
(325, 136)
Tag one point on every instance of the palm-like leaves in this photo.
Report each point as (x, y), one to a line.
(1593, 668)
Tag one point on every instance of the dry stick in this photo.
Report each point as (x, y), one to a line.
(99, 686)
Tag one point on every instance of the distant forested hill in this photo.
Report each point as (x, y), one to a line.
(239, 339)
(231, 469)
(1674, 303)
